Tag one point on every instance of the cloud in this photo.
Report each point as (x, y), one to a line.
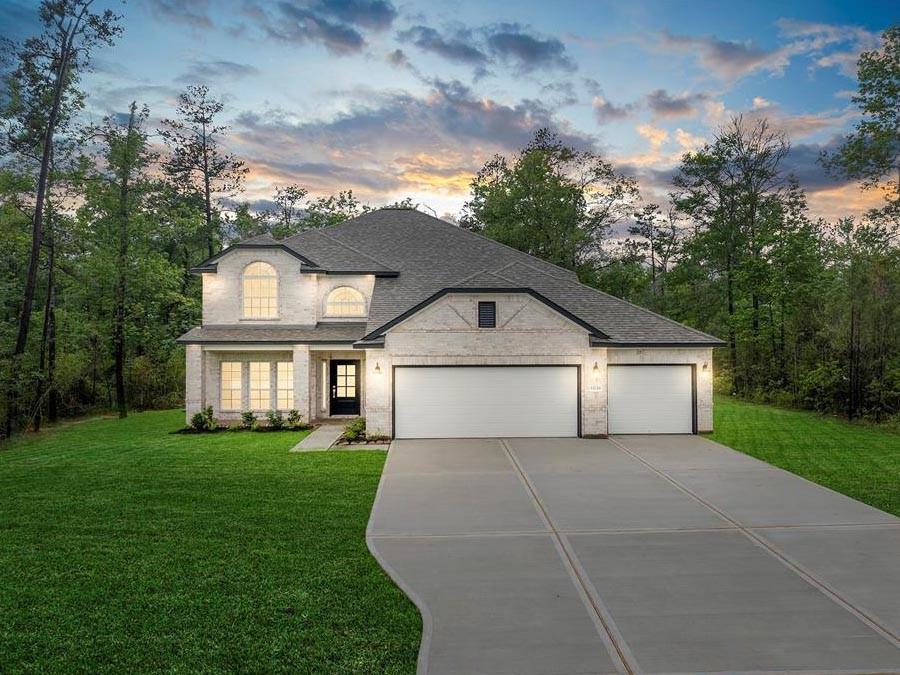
(815, 37)
(526, 52)
(656, 136)
(727, 59)
(458, 48)
(193, 13)
(687, 141)
(395, 140)
(605, 111)
(206, 71)
(510, 44)
(664, 104)
(339, 25)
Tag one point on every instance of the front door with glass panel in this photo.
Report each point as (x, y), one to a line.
(344, 388)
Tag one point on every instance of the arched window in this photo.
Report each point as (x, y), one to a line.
(345, 301)
(260, 291)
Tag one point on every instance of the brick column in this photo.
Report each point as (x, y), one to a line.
(301, 382)
(193, 381)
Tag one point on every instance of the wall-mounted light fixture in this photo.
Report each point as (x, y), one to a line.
(705, 366)
(596, 369)
(377, 368)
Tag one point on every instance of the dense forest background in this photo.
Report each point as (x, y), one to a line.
(100, 225)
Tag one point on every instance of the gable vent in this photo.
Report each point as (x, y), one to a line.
(487, 314)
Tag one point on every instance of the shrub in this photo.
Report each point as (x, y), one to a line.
(276, 419)
(248, 419)
(204, 420)
(294, 419)
(355, 429)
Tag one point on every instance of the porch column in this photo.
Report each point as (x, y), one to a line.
(301, 382)
(193, 381)
(378, 392)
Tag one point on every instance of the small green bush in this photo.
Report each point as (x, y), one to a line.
(204, 420)
(248, 420)
(356, 429)
(294, 419)
(276, 419)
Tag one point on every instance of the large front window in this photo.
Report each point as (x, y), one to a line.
(345, 301)
(260, 392)
(285, 385)
(260, 291)
(231, 385)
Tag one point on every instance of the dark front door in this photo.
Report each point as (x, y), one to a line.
(345, 387)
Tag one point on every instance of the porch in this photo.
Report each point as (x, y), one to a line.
(324, 383)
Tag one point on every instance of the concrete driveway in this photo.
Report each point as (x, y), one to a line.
(637, 554)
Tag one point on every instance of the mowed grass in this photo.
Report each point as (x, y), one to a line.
(858, 460)
(124, 548)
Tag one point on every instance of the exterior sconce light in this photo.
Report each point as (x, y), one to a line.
(596, 369)
(705, 366)
(377, 368)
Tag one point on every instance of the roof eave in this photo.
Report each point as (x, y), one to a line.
(621, 344)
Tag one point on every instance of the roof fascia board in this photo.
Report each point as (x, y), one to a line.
(210, 264)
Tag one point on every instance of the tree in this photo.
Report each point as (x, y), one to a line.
(288, 218)
(123, 188)
(871, 154)
(552, 201)
(732, 189)
(660, 237)
(196, 163)
(43, 93)
(328, 211)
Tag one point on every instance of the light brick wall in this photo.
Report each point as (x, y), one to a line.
(223, 291)
(301, 297)
(193, 381)
(528, 333)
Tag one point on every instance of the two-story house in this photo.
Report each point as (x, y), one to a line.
(429, 330)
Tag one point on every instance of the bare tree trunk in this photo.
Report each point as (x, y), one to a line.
(44, 379)
(61, 74)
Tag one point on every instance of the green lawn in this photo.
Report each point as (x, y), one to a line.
(858, 460)
(125, 548)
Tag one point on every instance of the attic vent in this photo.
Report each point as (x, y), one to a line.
(487, 314)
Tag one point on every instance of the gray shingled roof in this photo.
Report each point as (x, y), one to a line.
(416, 257)
(324, 333)
(432, 255)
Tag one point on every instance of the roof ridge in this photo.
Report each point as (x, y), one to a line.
(627, 302)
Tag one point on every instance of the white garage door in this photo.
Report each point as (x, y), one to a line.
(485, 401)
(651, 400)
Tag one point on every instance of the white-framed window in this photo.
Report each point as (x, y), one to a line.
(230, 389)
(260, 286)
(285, 380)
(260, 385)
(345, 301)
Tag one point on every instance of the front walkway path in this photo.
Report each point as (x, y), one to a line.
(633, 555)
(322, 438)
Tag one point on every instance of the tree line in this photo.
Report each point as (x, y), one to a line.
(102, 223)
(809, 309)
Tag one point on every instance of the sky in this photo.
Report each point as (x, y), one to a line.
(397, 99)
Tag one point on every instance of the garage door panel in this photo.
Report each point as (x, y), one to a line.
(488, 401)
(650, 399)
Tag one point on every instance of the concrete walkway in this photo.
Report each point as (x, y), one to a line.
(322, 438)
(640, 554)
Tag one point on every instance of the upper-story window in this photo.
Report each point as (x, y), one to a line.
(260, 291)
(345, 301)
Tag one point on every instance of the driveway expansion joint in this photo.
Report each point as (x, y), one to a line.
(610, 633)
(748, 531)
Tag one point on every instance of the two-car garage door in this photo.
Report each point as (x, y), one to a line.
(485, 401)
(517, 401)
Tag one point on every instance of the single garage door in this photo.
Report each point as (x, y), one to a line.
(485, 401)
(651, 399)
